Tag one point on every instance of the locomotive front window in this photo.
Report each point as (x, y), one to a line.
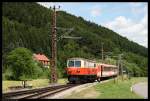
(71, 64)
(77, 63)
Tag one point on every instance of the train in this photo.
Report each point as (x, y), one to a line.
(81, 70)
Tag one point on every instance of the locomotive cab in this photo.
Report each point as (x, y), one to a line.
(79, 69)
(74, 63)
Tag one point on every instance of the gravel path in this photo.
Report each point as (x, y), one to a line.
(141, 89)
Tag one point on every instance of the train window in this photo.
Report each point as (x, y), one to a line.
(107, 69)
(94, 65)
(77, 63)
(71, 64)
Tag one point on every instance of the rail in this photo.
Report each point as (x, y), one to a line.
(37, 93)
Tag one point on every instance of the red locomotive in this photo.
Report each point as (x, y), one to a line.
(84, 70)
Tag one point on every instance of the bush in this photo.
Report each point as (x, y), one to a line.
(46, 73)
(43, 72)
(8, 74)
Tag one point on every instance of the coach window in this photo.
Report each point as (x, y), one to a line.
(77, 63)
(71, 64)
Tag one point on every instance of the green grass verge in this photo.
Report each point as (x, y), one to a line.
(119, 89)
(35, 83)
(110, 90)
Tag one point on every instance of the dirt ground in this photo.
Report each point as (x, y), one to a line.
(87, 93)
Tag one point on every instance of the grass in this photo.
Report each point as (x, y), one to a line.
(35, 83)
(110, 90)
(6, 84)
(63, 81)
(120, 89)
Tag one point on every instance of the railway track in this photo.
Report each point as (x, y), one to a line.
(40, 93)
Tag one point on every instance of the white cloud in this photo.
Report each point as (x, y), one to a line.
(95, 11)
(50, 4)
(135, 31)
(120, 22)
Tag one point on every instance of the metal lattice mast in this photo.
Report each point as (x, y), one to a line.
(54, 48)
(54, 40)
(120, 65)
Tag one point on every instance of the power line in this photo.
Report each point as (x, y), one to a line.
(70, 37)
(66, 34)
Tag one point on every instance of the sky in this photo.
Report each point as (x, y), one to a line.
(129, 19)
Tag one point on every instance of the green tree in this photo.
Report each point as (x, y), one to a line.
(22, 65)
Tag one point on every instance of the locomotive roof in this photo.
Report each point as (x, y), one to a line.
(78, 58)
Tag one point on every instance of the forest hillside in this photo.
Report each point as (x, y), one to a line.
(29, 25)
